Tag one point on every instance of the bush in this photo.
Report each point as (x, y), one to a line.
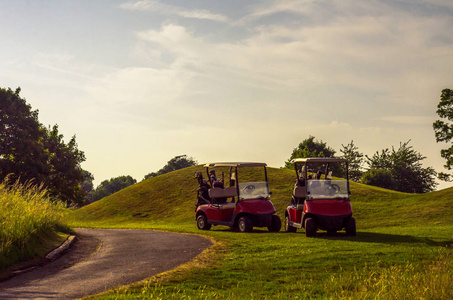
(26, 213)
(379, 177)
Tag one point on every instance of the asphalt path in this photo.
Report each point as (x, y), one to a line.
(101, 259)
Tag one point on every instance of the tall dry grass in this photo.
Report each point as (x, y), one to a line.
(26, 214)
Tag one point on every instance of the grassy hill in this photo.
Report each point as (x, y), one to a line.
(172, 197)
(403, 247)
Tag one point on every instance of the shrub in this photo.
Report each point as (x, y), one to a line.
(26, 213)
(379, 177)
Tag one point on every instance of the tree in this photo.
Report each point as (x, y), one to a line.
(310, 148)
(176, 163)
(379, 177)
(31, 152)
(355, 160)
(108, 187)
(405, 168)
(87, 186)
(443, 130)
(21, 135)
(64, 175)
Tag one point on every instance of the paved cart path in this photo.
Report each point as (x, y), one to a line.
(104, 258)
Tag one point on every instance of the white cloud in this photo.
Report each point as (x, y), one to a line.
(274, 7)
(388, 55)
(155, 6)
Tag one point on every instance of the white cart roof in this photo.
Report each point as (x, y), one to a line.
(318, 160)
(235, 164)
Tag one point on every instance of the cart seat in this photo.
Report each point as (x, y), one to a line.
(229, 205)
(299, 192)
(223, 193)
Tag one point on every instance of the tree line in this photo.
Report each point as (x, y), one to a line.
(32, 152)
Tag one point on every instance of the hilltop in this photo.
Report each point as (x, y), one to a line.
(172, 197)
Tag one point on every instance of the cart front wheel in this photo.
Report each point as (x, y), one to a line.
(310, 227)
(350, 228)
(289, 228)
(275, 225)
(202, 223)
(245, 224)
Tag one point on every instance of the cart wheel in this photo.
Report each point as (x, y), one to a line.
(202, 223)
(310, 227)
(289, 228)
(276, 224)
(350, 228)
(245, 224)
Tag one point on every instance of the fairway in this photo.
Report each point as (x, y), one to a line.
(403, 247)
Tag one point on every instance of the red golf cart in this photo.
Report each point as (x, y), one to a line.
(240, 205)
(319, 201)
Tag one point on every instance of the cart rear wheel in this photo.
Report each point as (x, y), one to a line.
(310, 227)
(202, 223)
(276, 224)
(289, 228)
(245, 224)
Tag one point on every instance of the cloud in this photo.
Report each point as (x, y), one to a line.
(379, 54)
(155, 6)
(275, 7)
(354, 65)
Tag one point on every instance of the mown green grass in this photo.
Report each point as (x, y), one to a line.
(403, 247)
(29, 223)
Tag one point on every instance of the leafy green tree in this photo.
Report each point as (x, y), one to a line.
(31, 152)
(108, 187)
(379, 177)
(22, 153)
(87, 186)
(65, 175)
(310, 148)
(176, 163)
(443, 130)
(355, 160)
(406, 169)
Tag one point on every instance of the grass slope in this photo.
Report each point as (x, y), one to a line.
(403, 247)
(172, 197)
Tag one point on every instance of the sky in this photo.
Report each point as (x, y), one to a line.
(140, 82)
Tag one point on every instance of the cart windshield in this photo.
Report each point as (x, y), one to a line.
(253, 190)
(327, 189)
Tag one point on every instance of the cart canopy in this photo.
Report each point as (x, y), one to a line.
(318, 160)
(235, 164)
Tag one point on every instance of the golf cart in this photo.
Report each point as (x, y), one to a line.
(320, 201)
(241, 205)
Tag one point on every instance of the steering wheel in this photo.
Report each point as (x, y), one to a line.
(248, 189)
(333, 188)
